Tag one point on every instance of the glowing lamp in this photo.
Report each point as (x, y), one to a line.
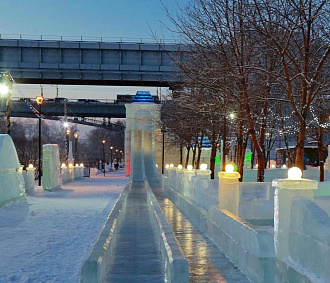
(3, 89)
(284, 166)
(82, 164)
(229, 168)
(189, 167)
(180, 166)
(77, 165)
(232, 116)
(63, 165)
(167, 166)
(256, 165)
(203, 166)
(156, 165)
(39, 99)
(30, 165)
(273, 166)
(294, 173)
(70, 165)
(65, 124)
(171, 165)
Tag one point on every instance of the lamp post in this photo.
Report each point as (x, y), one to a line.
(67, 139)
(103, 143)
(111, 147)
(163, 150)
(76, 147)
(40, 99)
(5, 85)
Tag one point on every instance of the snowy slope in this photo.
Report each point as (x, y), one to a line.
(47, 238)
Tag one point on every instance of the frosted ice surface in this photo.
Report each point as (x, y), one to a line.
(11, 178)
(51, 167)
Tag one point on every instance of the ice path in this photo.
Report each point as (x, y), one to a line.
(48, 238)
(206, 262)
(136, 257)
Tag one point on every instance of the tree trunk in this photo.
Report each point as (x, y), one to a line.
(212, 159)
(199, 151)
(300, 146)
(187, 157)
(320, 152)
(181, 154)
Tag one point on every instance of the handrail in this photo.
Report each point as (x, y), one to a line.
(87, 38)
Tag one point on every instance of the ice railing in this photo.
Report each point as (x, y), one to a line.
(256, 200)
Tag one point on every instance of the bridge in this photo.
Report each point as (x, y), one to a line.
(91, 63)
(79, 112)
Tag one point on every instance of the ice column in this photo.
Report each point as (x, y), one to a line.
(29, 179)
(229, 191)
(51, 178)
(286, 190)
(11, 178)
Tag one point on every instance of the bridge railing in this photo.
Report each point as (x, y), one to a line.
(87, 38)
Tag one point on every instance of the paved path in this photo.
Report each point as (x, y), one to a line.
(206, 262)
(136, 257)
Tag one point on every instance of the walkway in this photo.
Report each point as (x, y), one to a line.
(206, 262)
(136, 257)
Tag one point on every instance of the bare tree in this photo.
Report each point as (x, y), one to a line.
(298, 33)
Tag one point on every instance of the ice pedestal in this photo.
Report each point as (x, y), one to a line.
(187, 176)
(29, 179)
(11, 178)
(286, 191)
(51, 167)
(229, 191)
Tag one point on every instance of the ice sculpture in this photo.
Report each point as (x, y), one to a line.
(11, 178)
(29, 179)
(51, 167)
(140, 138)
(229, 190)
(286, 191)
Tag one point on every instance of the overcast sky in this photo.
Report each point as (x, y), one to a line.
(94, 18)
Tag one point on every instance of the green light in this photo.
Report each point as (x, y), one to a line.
(248, 156)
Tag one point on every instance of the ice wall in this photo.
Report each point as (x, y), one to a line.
(11, 178)
(51, 167)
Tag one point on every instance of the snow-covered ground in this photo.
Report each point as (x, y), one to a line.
(47, 238)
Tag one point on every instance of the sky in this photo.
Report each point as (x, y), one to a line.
(110, 19)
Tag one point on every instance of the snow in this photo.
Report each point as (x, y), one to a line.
(48, 237)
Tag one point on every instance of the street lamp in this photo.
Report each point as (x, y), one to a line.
(76, 147)
(111, 147)
(40, 99)
(67, 139)
(103, 143)
(5, 85)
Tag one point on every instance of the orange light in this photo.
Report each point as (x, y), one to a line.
(103, 141)
(39, 99)
(75, 135)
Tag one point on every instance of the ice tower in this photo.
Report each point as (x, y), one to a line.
(141, 117)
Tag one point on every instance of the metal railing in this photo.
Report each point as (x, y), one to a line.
(88, 38)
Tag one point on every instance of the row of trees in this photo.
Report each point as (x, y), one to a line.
(266, 61)
(87, 150)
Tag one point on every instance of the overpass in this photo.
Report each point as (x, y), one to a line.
(79, 112)
(91, 63)
(96, 109)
